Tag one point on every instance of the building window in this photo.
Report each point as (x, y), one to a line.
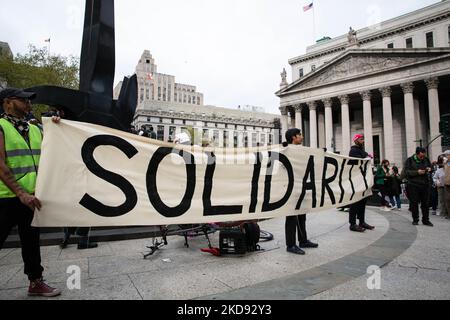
(430, 40)
(254, 139)
(205, 135)
(172, 131)
(390, 45)
(235, 138)
(160, 133)
(409, 43)
(270, 139)
(263, 140)
(300, 73)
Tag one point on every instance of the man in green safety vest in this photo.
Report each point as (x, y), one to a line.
(20, 149)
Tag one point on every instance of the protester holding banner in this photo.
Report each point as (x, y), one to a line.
(20, 148)
(293, 223)
(358, 210)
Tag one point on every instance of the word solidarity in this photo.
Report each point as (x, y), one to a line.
(96, 176)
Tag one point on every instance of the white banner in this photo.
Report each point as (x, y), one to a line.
(96, 176)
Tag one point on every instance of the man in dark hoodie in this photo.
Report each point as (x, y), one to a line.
(418, 169)
(358, 209)
(296, 224)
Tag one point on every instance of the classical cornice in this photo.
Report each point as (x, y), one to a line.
(373, 37)
(429, 55)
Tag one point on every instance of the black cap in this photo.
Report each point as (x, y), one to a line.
(16, 93)
(420, 150)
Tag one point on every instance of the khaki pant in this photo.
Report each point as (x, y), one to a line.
(443, 202)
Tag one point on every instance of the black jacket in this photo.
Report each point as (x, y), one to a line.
(357, 152)
(412, 168)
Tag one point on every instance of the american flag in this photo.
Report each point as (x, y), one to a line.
(47, 40)
(309, 6)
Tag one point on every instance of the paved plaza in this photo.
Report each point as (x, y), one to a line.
(414, 261)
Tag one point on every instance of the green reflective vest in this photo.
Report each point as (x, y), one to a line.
(22, 159)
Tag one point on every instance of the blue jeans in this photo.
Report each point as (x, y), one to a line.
(395, 201)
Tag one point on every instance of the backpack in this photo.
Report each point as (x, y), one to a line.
(252, 236)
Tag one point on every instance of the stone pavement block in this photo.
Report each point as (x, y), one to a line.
(399, 243)
(7, 272)
(181, 285)
(72, 252)
(396, 284)
(110, 288)
(107, 266)
(113, 288)
(54, 271)
(385, 254)
(351, 265)
(15, 255)
(5, 252)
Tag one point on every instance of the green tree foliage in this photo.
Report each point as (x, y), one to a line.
(37, 68)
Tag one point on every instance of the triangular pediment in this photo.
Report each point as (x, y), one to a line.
(354, 64)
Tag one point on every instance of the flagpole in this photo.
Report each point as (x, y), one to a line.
(314, 24)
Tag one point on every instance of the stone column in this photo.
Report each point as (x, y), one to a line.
(221, 140)
(328, 103)
(367, 115)
(166, 133)
(313, 124)
(284, 122)
(433, 102)
(410, 123)
(387, 124)
(230, 138)
(346, 138)
(292, 119)
(320, 130)
(298, 117)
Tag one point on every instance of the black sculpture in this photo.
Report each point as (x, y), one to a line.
(94, 102)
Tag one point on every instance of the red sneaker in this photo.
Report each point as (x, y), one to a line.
(40, 288)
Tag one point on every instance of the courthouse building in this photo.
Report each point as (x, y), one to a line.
(171, 107)
(390, 82)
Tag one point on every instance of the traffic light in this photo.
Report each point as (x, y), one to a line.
(444, 128)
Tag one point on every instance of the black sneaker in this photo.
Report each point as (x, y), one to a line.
(357, 228)
(308, 245)
(415, 223)
(295, 250)
(89, 245)
(428, 223)
(64, 244)
(366, 226)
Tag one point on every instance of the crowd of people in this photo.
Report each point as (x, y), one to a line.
(422, 182)
(425, 184)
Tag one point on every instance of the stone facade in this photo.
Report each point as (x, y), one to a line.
(155, 86)
(220, 127)
(395, 96)
(169, 107)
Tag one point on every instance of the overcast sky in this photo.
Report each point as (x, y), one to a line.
(232, 50)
